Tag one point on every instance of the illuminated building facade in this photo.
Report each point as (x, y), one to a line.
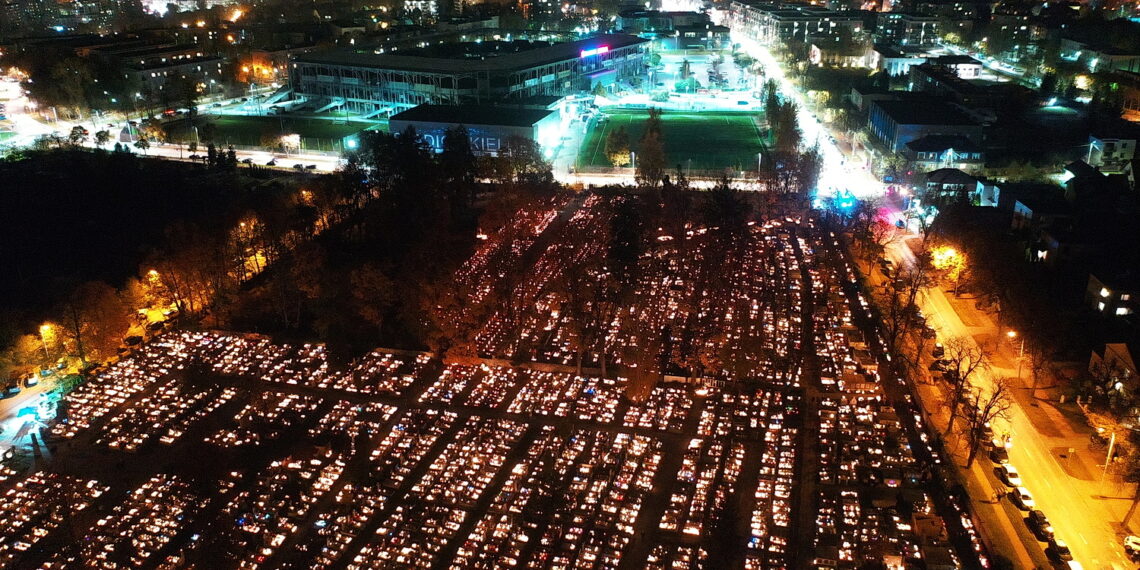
(376, 84)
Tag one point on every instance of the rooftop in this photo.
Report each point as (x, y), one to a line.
(955, 60)
(924, 113)
(473, 115)
(939, 143)
(540, 55)
(949, 176)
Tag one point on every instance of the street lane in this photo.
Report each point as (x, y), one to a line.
(1079, 515)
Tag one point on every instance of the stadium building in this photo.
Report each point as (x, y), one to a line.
(489, 127)
(372, 84)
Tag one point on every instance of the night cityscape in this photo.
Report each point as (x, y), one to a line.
(583, 284)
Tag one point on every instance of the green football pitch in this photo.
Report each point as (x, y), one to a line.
(710, 140)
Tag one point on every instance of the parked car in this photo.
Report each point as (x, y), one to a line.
(938, 351)
(31, 380)
(1040, 526)
(1058, 550)
(272, 162)
(1022, 499)
(1008, 474)
(247, 161)
(310, 167)
(155, 326)
(11, 390)
(298, 166)
(1132, 547)
(939, 365)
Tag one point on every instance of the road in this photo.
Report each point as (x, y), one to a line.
(1066, 485)
(13, 431)
(837, 174)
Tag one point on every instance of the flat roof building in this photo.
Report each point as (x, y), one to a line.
(896, 123)
(385, 83)
(488, 127)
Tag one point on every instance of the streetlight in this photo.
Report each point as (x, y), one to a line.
(1020, 351)
(45, 330)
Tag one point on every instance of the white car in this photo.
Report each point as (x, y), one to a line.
(1022, 499)
(1010, 475)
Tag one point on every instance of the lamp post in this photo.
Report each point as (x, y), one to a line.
(1020, 351)
(45, 330)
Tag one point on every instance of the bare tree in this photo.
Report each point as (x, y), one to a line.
(988, 404)
(965, 359)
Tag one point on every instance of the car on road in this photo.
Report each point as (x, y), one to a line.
(155, 326)
(999, 453)
(310, 167)
(272, 162)
(1058, 550)
(939, 365)
(1039, 524)
(1008, 474)
(248, 161)
(1132, 547)
(31, 380)
(298, 166)
(11, 390)
(938, 351)
(1022, 499)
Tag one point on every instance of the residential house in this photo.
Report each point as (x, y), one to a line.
(947, 186)
(839, 52)
(896, 60)
(1113, 292)
(1038, 211)
(1112, 368)
(1099, 58)
(932, 152)
(1112, 147)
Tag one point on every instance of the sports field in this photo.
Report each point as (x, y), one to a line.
(711, 140)
(252, 131)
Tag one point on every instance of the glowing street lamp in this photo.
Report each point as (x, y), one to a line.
(1012, 334)
(45, 331)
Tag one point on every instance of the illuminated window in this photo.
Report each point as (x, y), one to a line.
(1100, 305)
(1105, 292)
(1123, 311)
(1125, 296)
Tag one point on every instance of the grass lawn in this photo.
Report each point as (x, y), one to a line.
(712, 140)
(319, 134)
